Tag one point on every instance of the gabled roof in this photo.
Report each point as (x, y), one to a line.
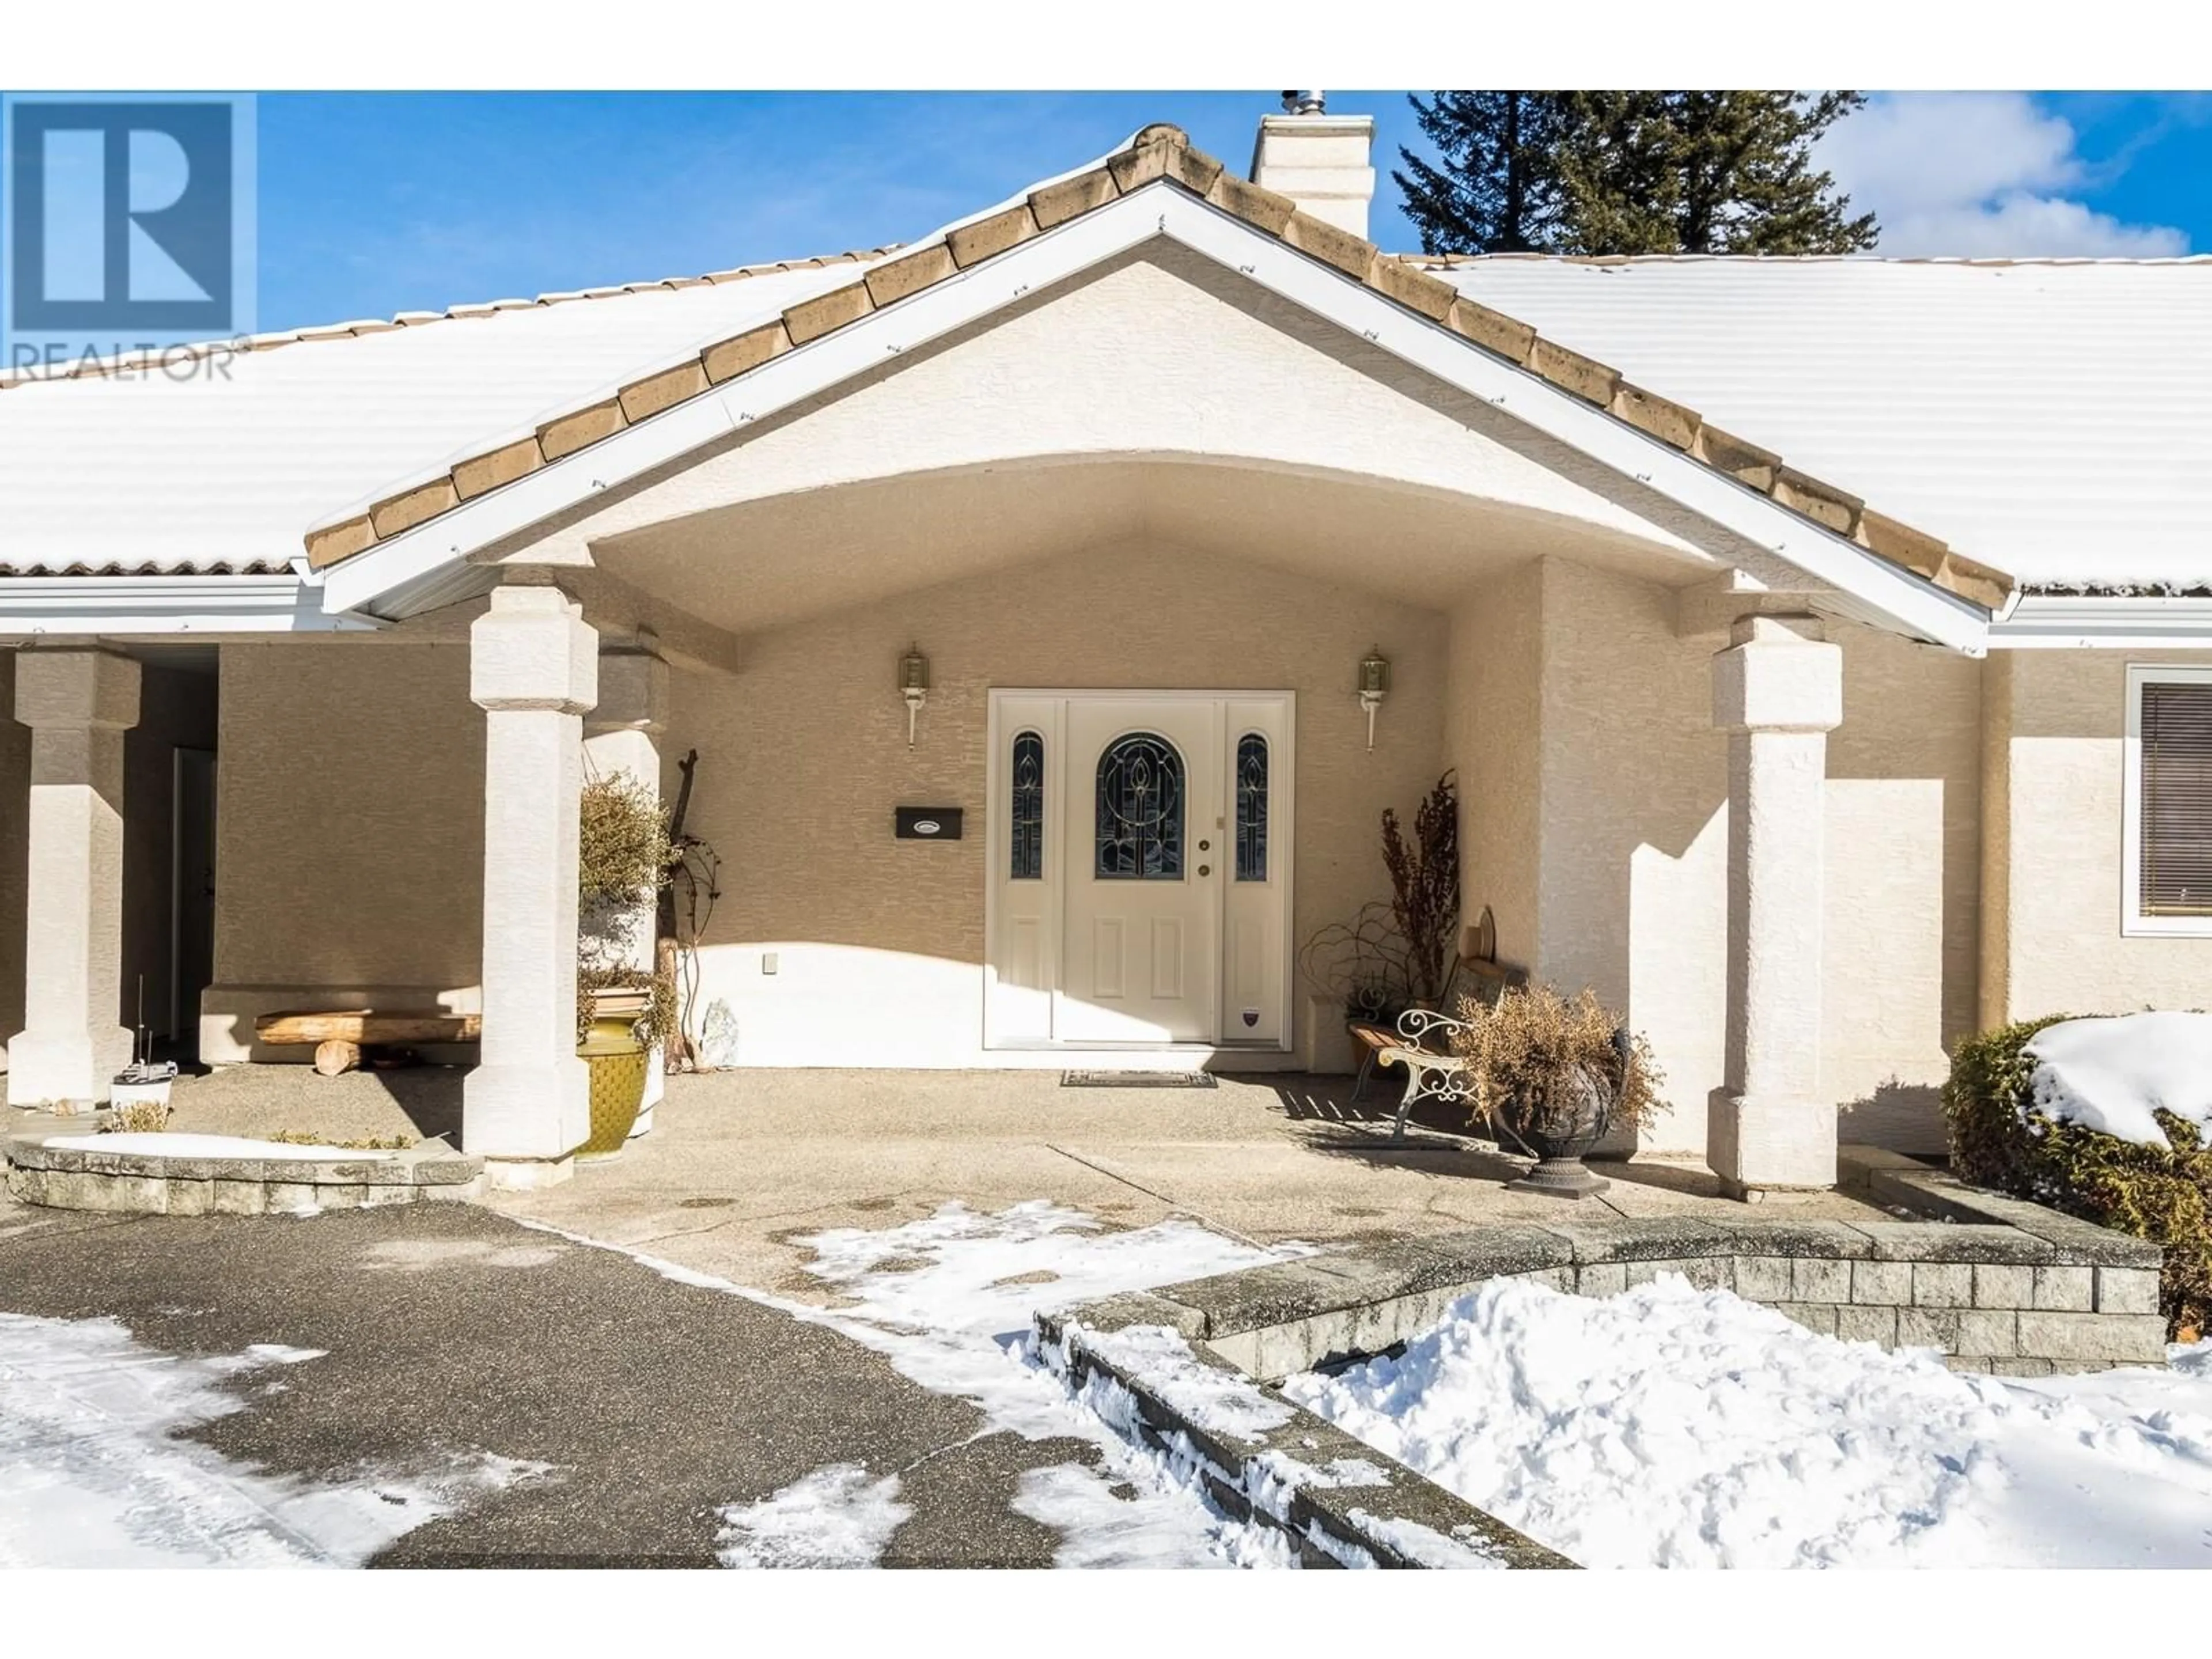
(244, 466)
(1158, 154)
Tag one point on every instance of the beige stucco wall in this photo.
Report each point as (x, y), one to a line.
(1629, 834)
(2053, 745)
(803, 756)
(1492, 720)
(349, 832)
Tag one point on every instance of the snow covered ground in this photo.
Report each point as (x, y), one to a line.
(92, 1473)
(948, 1301)
(1668, 1427)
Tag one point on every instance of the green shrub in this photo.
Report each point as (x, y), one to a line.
(2159, 1193)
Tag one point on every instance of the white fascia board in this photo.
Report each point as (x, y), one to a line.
(78, 605)
(2067, 622)
(1923, 608)
(1158, 209)
(802, 373)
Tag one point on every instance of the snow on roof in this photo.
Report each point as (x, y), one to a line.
(228, 461)
(2052, 418)
(2043, 420)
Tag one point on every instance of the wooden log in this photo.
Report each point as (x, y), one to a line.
(333, 1056)
(360, 1025)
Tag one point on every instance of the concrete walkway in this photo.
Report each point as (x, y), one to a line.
(744, 1164)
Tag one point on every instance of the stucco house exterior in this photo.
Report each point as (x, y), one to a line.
(1823, 648)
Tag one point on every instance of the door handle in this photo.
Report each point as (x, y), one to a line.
(1205, 869)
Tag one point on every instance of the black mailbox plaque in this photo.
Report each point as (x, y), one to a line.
(928, 823)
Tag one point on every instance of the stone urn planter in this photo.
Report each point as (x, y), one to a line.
(1556, 1108)
(1559, 1136)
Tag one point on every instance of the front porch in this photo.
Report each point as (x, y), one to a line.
(1152, 476)
(743, 1164)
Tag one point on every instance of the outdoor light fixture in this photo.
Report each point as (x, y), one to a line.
(914, 685)
(1374, 686)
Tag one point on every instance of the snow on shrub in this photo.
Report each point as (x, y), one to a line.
(2107, 1118)
(2117, 1074)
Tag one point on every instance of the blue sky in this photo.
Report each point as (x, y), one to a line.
(375, 203)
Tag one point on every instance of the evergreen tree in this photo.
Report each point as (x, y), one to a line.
(1497, 189)
(1632, 173)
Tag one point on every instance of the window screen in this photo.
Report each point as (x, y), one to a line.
(2176, 864)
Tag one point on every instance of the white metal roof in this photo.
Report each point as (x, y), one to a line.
(231, 465)
(2051, 419)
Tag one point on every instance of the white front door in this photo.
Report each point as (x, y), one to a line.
(1140, 844)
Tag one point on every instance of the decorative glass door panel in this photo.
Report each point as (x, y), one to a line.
(1141, 947)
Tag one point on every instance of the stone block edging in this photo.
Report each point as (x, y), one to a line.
(1994, 1284)
(152, 1183)
(1341, 1502)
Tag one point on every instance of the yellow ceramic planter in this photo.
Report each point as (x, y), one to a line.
(617, 1062)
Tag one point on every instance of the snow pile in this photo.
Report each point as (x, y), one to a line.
(948, 1301)
(92, 1473)
(834, 1517)
(164, 1145)
(2109, 1075)
(1671, 1427)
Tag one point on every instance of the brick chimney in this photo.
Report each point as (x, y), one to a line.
(1318, 159)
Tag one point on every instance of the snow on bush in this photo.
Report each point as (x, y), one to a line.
(1671, 1427)
(2064, 1112)
(2113, 1074)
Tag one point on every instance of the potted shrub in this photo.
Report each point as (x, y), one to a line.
(1553, 1076)
(1398, 953)
(622, 1010)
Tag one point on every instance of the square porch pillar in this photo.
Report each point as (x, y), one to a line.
(533, 669)
(1777, 692)
(78, 704)
(623, 734)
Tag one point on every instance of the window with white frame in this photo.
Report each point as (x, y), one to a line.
(2167, 788)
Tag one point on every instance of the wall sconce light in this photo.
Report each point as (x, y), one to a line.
(1374, 686)
(914, 685)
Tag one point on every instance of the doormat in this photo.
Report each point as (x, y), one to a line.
(1137, 1080)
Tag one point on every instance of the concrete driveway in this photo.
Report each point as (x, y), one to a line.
(438, 1337)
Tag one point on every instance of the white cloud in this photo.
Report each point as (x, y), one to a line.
(1977, 174)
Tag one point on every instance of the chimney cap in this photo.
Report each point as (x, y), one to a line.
(1305, 103)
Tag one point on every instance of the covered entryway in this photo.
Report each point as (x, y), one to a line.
(1140, 886)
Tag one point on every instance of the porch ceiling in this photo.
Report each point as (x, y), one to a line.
(764, 563)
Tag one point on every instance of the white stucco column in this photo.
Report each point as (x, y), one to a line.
(78, 704)
(1777, 692)
(533, 668)
(623, 734)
